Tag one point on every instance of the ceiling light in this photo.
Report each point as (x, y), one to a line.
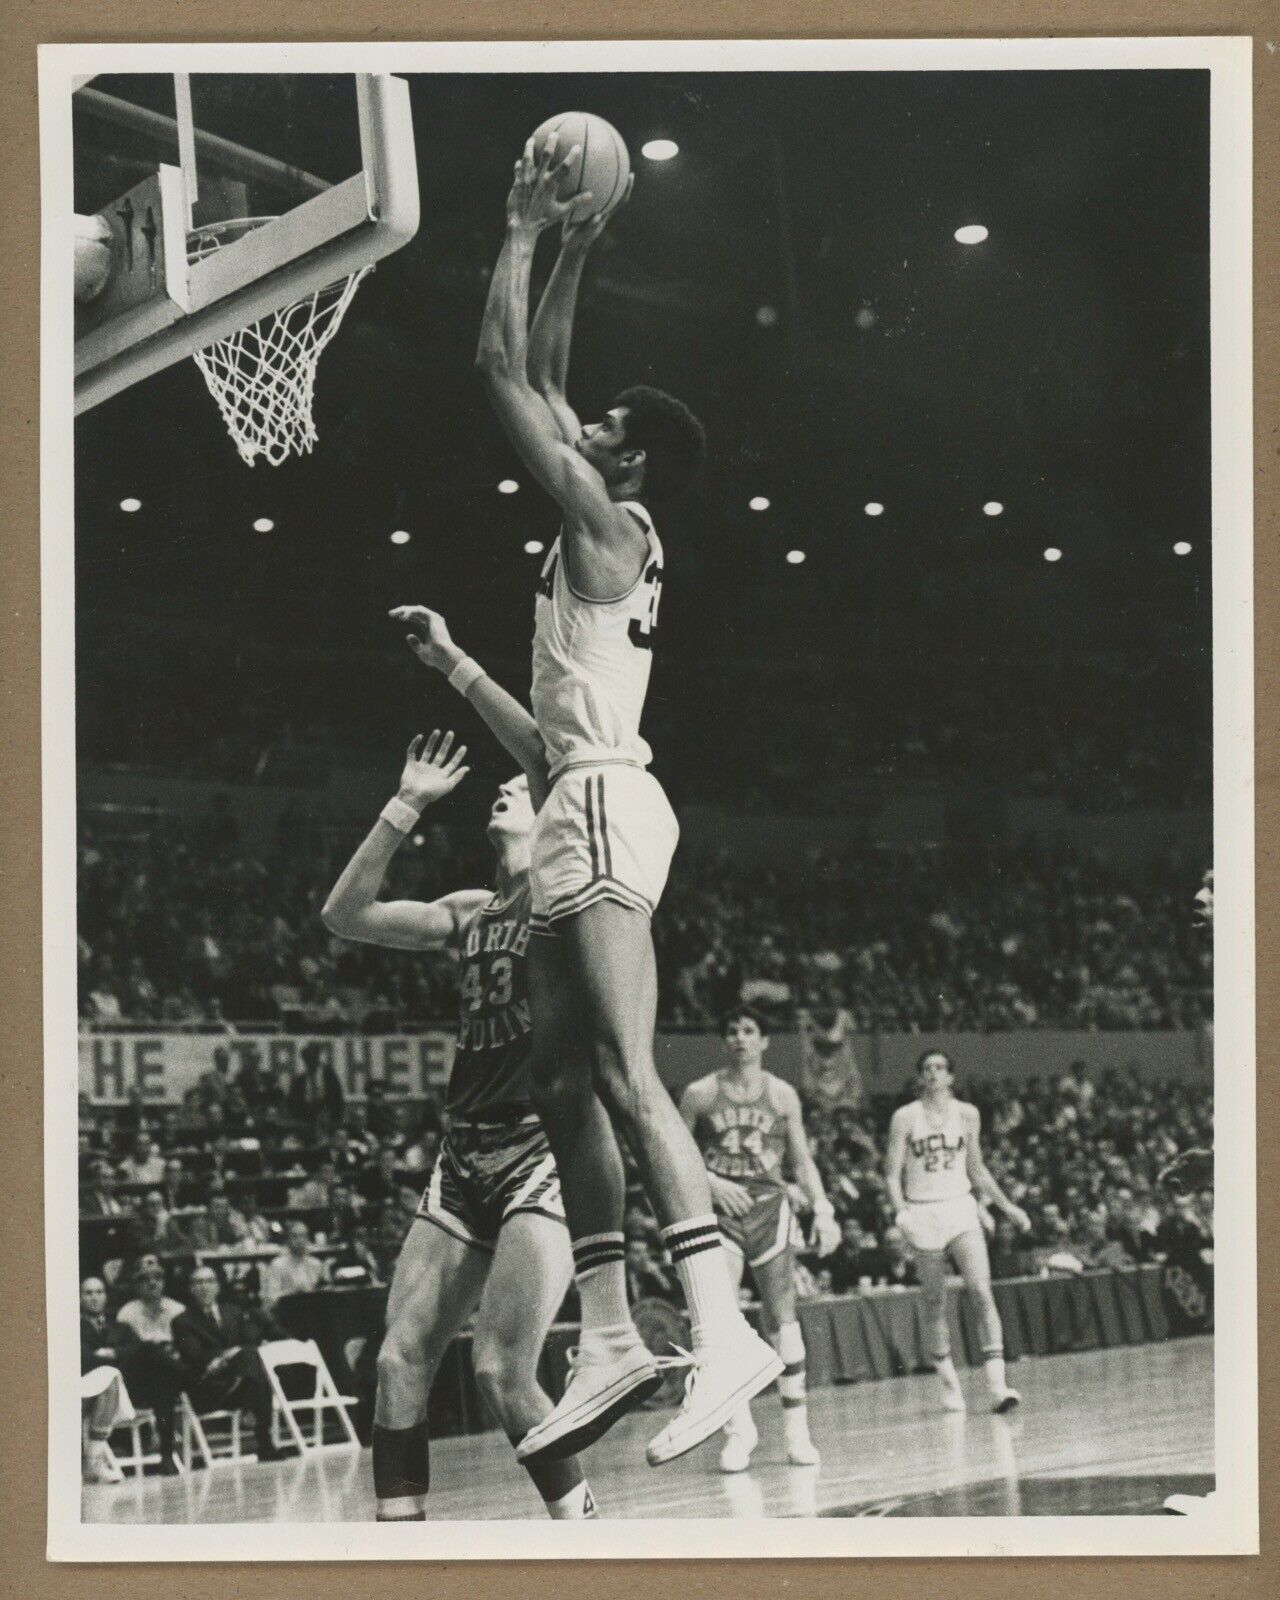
(873, 508)
(131, 503)
(1053, 554)
(1182, 548)
(508, 486)
(971, 233)
(659, 149)
(795, 557)
(263, 525)
(400, 537)
(759, 502)
(533, 547)
(993, 508)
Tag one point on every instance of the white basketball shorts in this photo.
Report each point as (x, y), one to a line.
(606, 832)
(931, 1225)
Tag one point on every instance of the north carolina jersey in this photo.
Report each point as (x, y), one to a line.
(495, 1032)
(591, 661)
(745, 1140)
(936, 1166)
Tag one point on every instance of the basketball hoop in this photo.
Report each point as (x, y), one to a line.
(263, 376)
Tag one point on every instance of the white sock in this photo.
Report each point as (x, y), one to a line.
(994, 1366)
(603, 1297)
(575, 1506)
(741, 1425)
(601, 1278)
(789, 1343)
(403, 1508)
(695, 1249)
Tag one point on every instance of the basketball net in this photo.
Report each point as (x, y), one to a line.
(263, 376)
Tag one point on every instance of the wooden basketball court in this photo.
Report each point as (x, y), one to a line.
(1099, 1432)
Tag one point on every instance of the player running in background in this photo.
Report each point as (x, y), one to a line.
(490, 1228)
(749, 1127)
(933, 1164)
(602, 845)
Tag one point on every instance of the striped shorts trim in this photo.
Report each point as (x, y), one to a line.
(602, 835)
(487, 1173)
(764, 1232)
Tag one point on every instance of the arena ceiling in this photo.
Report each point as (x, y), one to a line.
(1060, 368)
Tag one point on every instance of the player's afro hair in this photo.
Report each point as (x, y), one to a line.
(673, 440)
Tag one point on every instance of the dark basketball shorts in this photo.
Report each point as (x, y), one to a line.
(488, 1171)
(764, 1231)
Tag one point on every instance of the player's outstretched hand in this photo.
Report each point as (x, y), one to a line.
(431, 772)
(580, 233)
(431, 640)
(534, 201)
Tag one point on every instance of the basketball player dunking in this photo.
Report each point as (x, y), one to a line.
(932, 1167)
(490, 1229)
(749, 1127)
(602, 846)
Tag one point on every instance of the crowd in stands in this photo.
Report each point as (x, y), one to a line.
(254, 1190)
(185, 922)
(947, 939)
(1104, 730)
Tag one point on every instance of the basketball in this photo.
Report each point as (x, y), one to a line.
(602, 164)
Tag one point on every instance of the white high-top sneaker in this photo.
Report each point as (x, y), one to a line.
(724, 1374)
(607, 1378)
(801, 1450)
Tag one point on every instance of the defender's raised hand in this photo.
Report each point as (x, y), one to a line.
(430, 640)
(432, 772)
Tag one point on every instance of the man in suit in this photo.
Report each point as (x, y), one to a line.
(315, 1094)
(98, 1198)
(218, 1226)
(104, 1400)
(218, 1348)
(153, 1231)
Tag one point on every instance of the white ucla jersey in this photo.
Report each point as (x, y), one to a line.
(937, 1160)
(591, 661)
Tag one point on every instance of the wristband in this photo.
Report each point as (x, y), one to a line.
(402, 817)
(465, 674)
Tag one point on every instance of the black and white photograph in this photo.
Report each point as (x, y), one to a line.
(648, 799)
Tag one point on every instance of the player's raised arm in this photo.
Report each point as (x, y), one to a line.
(353, 910)
(501, 357)
(980, 1176)
(804, 1168)
(552, 332)
(508, 721)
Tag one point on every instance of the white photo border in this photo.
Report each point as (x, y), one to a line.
(1230, 1526)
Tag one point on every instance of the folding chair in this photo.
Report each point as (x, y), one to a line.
(223, 1446)
(138, 1457)
(324, 1396)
